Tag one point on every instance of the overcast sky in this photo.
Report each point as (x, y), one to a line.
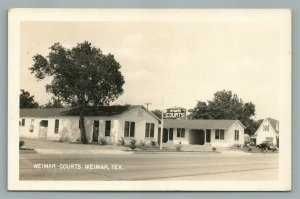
(172, 63)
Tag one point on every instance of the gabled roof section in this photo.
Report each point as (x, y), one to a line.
(89, 111)
(199, 124)
(274, 123)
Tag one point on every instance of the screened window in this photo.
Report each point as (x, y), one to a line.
(129, 129)
(219, 134)
(180, 132)
(236, 135)
(107, 128)
(23, 122)
(266, 127)
(149, 130)
(56, 126)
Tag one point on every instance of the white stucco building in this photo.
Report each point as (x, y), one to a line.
(268, 131)
(129, 122)
(108, 122)
(222, 133)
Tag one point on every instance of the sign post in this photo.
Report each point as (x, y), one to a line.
(161, 129)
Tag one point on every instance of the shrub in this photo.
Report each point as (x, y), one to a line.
(249, 149)
(213, 148)
(21, 143)
(142, 143)
(179, 147)
(153, 143)
(122, 141)
(132, 144)
(102, 141)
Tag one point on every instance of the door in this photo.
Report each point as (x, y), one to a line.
(95, 131)
(43, 129)
(170, 134)
(208, 135)
(165, 136)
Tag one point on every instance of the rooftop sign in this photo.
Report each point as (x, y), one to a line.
(175, 112)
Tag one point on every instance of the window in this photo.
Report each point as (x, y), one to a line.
(23, 122)
(269, 139)
(219, 134)
(266, 127)
(180, 132)
(152, 130)
(107, 128)
(129, 129)
(149, 130)
(56, 126)
(236, 135)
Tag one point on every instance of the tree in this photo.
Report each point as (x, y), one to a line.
(157, 113)
(82, 76)
(27, 101)
(54, 103)
(226, 105)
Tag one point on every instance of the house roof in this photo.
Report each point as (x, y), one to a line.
(199, 124)
(273, 123)
(89, 111)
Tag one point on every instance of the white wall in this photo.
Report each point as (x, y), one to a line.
(229, 136)
(140, 125)
(69, 127)
(261, 134)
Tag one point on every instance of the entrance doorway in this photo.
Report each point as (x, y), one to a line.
(208, 135)
(170, 134)
(165, 136)
(196, 136)
(43, 129)
(95, 131)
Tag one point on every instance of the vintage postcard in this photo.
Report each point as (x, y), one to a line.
(149, 99)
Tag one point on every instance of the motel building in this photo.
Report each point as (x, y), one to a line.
(113, 123)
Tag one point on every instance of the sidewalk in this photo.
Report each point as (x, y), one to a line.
(54, 147)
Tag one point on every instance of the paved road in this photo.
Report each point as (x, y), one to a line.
(146, 166)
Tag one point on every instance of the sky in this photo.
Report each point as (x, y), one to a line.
(169, 63)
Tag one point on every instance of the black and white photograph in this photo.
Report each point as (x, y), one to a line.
(149, 99)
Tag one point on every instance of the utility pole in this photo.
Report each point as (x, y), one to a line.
(147, 104)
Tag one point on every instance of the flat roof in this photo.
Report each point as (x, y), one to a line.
(199, 124)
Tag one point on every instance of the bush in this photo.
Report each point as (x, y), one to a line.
(213, 148)
(179, 147)
(249, 149)
(122, 141)
(132, 144)
(153, 143)
(142, 143)
(102, 141)
(21, 143)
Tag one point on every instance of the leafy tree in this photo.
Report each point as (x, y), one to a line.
(157, 113)
(226, 105)
(27, 101)
(82, 76)
(54, 103)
